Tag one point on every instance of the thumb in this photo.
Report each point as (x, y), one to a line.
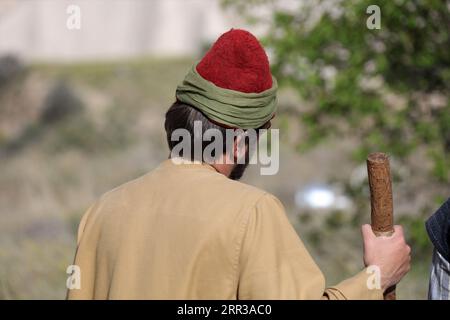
(367, 232)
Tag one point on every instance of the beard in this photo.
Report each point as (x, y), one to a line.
(238, 171)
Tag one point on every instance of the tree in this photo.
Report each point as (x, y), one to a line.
(386, 87)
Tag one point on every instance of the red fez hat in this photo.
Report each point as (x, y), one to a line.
(237, 62)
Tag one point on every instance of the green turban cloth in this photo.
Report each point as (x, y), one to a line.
(228, 107)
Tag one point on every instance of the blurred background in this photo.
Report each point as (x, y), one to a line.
(81, 111)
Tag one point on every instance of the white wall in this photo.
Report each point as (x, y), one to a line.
(36, 29)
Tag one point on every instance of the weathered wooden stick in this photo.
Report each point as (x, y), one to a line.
(382, 212)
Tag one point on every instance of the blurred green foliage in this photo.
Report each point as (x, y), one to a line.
(416, 235)
(388, 86)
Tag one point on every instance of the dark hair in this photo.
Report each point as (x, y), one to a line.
(182, 116)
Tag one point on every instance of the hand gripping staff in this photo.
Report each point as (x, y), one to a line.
(382, 213)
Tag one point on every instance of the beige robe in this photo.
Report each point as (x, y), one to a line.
(188, 232)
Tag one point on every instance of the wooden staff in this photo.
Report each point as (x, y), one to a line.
(382, 213)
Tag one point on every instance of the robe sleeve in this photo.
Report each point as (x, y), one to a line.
(274, 263)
